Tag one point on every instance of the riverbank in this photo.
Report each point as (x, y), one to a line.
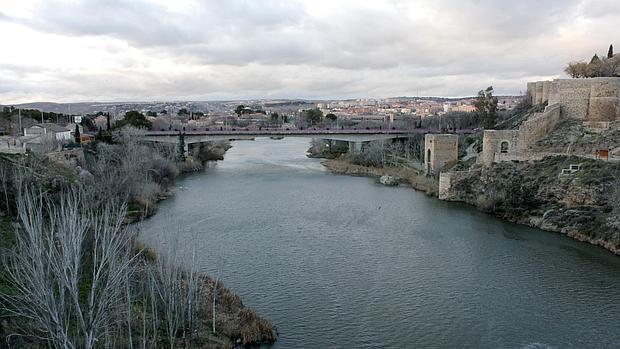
(320, 265)
(236, 324)
(583, 207)
(196, 161)
(403, 175)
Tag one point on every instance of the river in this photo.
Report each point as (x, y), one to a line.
(342, 262)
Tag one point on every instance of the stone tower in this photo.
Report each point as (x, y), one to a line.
(440, 151)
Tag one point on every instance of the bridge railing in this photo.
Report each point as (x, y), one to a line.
(291, 131)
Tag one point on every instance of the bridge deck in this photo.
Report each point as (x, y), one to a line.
(293, 132)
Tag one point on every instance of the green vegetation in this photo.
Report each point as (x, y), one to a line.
(181, 146)
(513, 119)
(242, 109)
(35, 114)
(609, 66)
(312, 116)
(486, 107)
(135, 119)
(320, 148)
(55, 294)
(76, 134)
(390, 153)
(584, 203)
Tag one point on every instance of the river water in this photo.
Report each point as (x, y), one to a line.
(342, 262)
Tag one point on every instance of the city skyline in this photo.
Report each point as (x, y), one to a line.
(61, 51)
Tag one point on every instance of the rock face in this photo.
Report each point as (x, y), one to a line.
(584, 205)
(388, 181)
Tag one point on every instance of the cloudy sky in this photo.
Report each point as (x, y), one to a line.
(113, 50)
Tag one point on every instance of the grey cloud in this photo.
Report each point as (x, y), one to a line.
(277, 48)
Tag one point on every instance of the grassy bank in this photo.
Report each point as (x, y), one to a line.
(403, 174)
(152, 301)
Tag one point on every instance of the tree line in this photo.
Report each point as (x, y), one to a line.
(608, 66)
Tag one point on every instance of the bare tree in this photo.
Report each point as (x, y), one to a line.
(69, 267)
(177, 289)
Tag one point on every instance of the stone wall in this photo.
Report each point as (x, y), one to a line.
(516, 142)
(539, 125)
(546, 91)
(595, 99)
(573, 95)
(604, 101)
(539, 91)
(538, 96)
(492, 141)
(440, 150)
(531, 91)
(453, 185)
(445, 184)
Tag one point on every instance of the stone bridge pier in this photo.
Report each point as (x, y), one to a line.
(355, 147)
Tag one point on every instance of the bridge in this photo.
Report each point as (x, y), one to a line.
(196, 135)
(355, 136)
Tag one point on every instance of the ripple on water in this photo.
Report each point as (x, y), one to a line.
(339, 262)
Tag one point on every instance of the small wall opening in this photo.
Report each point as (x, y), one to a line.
(428, 155)
(504, 146)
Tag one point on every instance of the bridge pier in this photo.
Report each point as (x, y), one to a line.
(355, 147)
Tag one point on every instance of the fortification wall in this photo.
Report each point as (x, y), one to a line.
(539, 125)
(546, 91)
(455, 185)
(445, 183)
(492, 141)
(573, 95)
(539, 91)
(605, 101)
(531, 91)
(595, 99)
(538, 97)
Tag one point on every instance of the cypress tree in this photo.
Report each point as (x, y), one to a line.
(76, 134)
(610, 53)
(181, 146)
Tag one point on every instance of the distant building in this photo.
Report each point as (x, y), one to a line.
(60, 133)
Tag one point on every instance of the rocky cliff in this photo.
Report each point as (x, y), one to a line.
(584, 205)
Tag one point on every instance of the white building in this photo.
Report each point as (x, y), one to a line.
(60, 133)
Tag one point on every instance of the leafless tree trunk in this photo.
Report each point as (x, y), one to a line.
(62, 250)
(177, 290)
